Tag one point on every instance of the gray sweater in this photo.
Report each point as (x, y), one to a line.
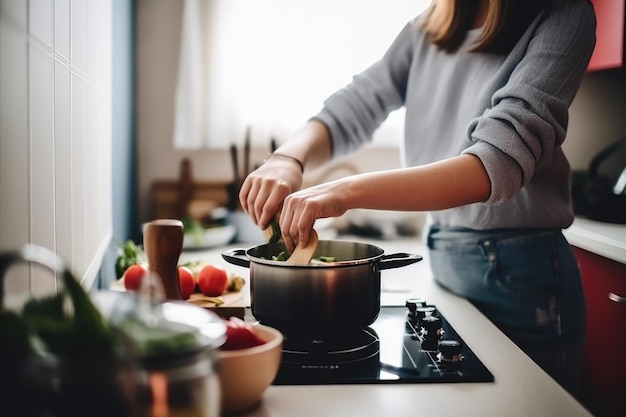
(510, 111)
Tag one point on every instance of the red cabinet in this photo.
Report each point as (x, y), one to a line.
(604, 373)
(609, 51)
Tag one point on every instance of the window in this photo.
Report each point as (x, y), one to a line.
(271, 63)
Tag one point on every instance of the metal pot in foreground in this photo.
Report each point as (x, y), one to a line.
(319, 297)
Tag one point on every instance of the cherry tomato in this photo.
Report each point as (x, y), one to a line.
(212, 280)
(133, 277)
(187, 282)
(240, 335)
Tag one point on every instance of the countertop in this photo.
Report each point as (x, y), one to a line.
(605, 239)
(520, 388)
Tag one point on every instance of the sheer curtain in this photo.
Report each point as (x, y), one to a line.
(269, 64)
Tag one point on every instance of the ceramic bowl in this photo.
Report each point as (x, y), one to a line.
(209, 238)
(245, 374)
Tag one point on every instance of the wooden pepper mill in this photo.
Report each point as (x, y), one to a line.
(163, 243)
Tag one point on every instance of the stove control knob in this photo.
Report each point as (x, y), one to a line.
(431, 331)
(432, 327)
(450, 351)
(413, 303)
(422, 312)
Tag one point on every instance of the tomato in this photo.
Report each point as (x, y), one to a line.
(187, 282)
(133, 276)
(240, 335)
(212, 280)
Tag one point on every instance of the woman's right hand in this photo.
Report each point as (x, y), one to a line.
(264, 190)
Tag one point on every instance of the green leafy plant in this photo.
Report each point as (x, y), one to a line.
(61, 338)
(128, 255)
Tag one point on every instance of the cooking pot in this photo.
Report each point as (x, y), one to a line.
(320, 296)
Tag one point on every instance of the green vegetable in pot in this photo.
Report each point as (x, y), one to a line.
(326, 258)
(276, 234)
(282, 256)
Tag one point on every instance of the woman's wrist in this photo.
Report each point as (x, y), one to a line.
(286, 157)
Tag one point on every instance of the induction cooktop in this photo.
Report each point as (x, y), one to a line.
(406, 344)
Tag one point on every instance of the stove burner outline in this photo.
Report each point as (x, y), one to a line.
(396, 355)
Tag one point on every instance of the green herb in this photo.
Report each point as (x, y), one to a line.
(128, 256)
(327, 258)
(282, 256)
(275, 231)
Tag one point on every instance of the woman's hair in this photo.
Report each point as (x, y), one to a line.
(447, 23)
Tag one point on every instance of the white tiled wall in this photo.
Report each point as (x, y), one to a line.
(55, 134)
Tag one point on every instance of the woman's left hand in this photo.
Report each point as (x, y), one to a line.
(301, 209)
(263, 191)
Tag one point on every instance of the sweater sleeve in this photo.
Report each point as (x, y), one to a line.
(527, 118)
(353, 113)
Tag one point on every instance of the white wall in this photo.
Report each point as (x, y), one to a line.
(596, 116)
(55, 134)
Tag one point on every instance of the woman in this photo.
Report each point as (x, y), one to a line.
(486, 85)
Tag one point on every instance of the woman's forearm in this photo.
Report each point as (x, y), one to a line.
(450, 183)
(311, 145)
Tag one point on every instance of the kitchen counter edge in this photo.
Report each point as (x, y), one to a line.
(605, 239)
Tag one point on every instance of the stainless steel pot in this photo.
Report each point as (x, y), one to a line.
(321, 296)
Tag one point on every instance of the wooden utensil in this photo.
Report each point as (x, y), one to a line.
(302, 255)
(163, 243)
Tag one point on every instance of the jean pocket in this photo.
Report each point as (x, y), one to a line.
(525, 267)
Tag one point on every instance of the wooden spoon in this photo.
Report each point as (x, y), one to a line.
(302, 255)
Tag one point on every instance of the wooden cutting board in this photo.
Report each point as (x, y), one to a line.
(233, 305)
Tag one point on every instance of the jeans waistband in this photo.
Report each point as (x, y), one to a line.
(465, 235)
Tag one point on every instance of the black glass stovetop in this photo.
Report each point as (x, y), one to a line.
(401, 346)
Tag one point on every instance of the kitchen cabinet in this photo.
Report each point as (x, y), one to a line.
(609, 51)
(601, 251)
(604, 372)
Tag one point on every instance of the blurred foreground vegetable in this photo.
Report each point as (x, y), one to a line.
(58, 353)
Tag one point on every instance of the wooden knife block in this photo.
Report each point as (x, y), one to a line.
(171, 198)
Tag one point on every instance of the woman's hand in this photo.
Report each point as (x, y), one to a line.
(302, 208)
(449, 183)
(263, 191)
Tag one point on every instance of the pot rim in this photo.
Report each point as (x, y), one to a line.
(320, 264)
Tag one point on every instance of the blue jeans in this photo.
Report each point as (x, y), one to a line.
(527, 282)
